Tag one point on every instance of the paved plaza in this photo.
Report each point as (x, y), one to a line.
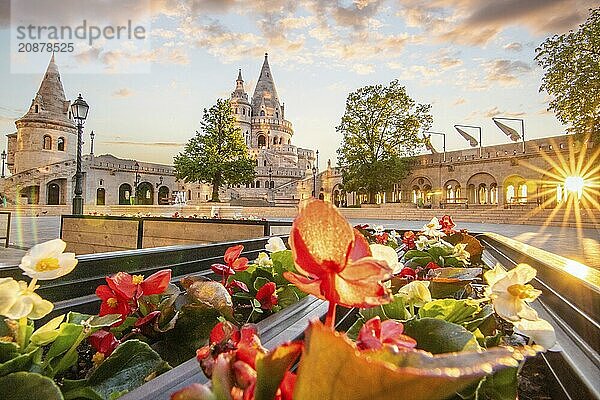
(579, 245)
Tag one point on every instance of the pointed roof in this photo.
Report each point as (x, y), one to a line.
(50, 99)
(239, 94)
(265, 91)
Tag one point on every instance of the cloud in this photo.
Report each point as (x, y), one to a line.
(495, 111)
(505, 71)
(459, 101)
(363, 69)
(123, 92)
(514, 46)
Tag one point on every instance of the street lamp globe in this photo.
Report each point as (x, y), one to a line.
(80, 109)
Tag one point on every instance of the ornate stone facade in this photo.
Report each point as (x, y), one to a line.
(507, 175)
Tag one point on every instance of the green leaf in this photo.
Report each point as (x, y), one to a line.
(396, 309)
(131, 365)
(283, 261)
(502, 385)
(287, 296)
(271, 368)
(419, 261)
(438, 336)
(28, 386)
(67, 335)
(416, 253)
(260, 282)
(105, 320)
(372, 312)
(439, 252)
(451, 310)
(77, 318)
(22, 362)
(8, 350)
(332, 368)
(465, 274)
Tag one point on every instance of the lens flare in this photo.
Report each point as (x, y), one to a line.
(575, 184)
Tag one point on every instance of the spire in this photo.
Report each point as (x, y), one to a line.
(239, 94)
(265, 91)
(50, 102)
(239, 79)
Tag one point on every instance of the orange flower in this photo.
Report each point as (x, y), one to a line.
(334, 260)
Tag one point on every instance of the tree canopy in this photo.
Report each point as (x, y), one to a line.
(571, 62)
(380, 133)
(217, 155)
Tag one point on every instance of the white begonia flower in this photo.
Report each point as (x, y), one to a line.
(421, 243)
(416, 293)
(387, 254)
(394, 234)
(275, 244)
(263, 260)
(379, 229)
(433, 228)
(460, 253)
(511, 293)
(25, 303)
(540, 331)
(47, 260)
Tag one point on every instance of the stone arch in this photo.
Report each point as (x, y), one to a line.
(163, 195)
(518, 189)
(125, 194)
(55, 192)
(452, 191)
(262, 140)
(60, 144)
(421, 190)
(145, 194)
(29, 195)
(100, 197)
(338, 195)
(478, 188)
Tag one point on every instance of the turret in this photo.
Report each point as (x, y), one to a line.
(242, 111)
(46, 134)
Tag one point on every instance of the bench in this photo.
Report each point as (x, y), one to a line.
(459, 202)
(522, 202)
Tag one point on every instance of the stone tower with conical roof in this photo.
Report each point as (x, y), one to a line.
(46, 134)
(242, 110)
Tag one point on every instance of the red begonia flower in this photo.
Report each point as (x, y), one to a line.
(432, 265)
(122, 283)
(112, 303)
(104, 342)
(147, 318)
(233, 260)
(383, 238)
(407, 272)
(334, 260)
(447, 224)
(374, 334)
(409, 240)
(266, 296)
(222, 270)
(156, 283)
(130, 286)
(238, 284)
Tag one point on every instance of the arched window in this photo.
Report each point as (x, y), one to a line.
(510, 193)
(523, 193)
(264, 163)
(37, 109)
(262, 113)
(277, 114)
(60, 144)
(243, 111)
(47, 143)
(258, 184)
(262, 142)
(236, 110)
(275, 140)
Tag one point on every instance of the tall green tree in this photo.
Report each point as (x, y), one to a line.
(571, 63)
(217, 155)
(380, 133)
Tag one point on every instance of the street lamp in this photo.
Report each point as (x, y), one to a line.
(137, 180)
(314, 170)
(79, 110)
(92, 143)
(510, 132)
(444, 135)
(472, 141)
(3, 162)
(271, 185)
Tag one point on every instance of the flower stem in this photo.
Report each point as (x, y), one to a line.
(22, 332)
(68, 356)
(330, 318)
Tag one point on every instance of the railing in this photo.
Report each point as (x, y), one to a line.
(6, 236)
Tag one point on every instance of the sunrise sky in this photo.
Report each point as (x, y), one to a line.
(470, 59)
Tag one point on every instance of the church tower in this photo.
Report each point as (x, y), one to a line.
(241, 109)
(46, 134)
(269, 127)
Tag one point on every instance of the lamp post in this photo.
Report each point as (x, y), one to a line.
(314, 170)
(317, 160)
(92, 142)
(473, 127)
(444, 135)
(79, 109)
(271, 185)
(136, 182)
(510, 131)
(3, 162)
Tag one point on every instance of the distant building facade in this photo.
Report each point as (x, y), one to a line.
(506, 175)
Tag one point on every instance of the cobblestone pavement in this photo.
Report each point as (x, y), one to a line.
(580, 245)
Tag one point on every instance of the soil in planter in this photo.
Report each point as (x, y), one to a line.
(83, 366)
(535, 380)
